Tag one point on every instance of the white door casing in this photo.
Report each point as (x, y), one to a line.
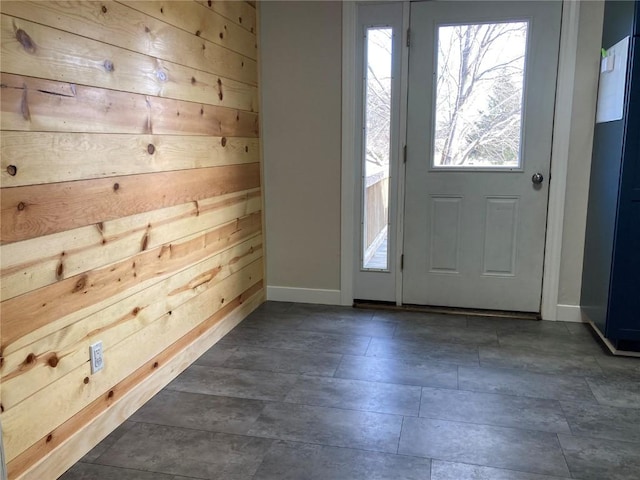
(474, 238)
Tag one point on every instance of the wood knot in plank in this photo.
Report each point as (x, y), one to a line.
(110, 394)
(21, 206)
(60, 271)
(209, 2)
(30, 359)
(108, 66)
(145, 242)
(25, 40)
(86, 380)
(53, 361)
(221, 36)
(162, 75)
(156, 364)
(197, 33)
(146, 29)
(12, 170)
(224, 141)
(49, 437)
(151, 149)
(104, 9)
(24, 104)
(80, 284)
(220, 94)
(116, 187)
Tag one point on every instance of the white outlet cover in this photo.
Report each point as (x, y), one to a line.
(96, 357)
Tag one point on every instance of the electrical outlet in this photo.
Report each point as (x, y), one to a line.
(95, 354)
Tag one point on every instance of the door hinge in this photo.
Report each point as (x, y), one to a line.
(404, 154)
(402, 262)
(408, 37)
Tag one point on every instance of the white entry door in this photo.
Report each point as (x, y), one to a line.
(482, 79)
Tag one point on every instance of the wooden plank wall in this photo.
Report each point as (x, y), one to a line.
(131, 208)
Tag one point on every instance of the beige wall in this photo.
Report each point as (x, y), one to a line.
(301, 124)
(301, 50)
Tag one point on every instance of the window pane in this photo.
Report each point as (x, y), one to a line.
(377, 143)
(478, 115)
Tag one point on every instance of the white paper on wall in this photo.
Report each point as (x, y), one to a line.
(613, 77)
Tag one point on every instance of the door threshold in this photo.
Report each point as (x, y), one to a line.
(472, 312)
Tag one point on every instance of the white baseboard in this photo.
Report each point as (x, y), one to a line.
(569, 313)
(304, 295)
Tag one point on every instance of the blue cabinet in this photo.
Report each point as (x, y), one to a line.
(611, 273)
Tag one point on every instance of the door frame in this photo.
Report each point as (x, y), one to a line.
(559, 155)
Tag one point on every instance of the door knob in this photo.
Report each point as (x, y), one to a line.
(537, 178)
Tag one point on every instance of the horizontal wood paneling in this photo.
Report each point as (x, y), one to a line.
(130, 208)
(241, 13)
(54, 157)
(33, 211)
(204, 23)
(35, 263)
(75, 297)
(32, 104)
(43, 362)
(58, 55)
(138, 29)
(41, 343)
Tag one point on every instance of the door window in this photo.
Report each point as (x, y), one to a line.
(479, 95)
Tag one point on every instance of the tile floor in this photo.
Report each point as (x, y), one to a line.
(327, 393)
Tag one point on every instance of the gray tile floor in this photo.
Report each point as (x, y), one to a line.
(327, 393)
